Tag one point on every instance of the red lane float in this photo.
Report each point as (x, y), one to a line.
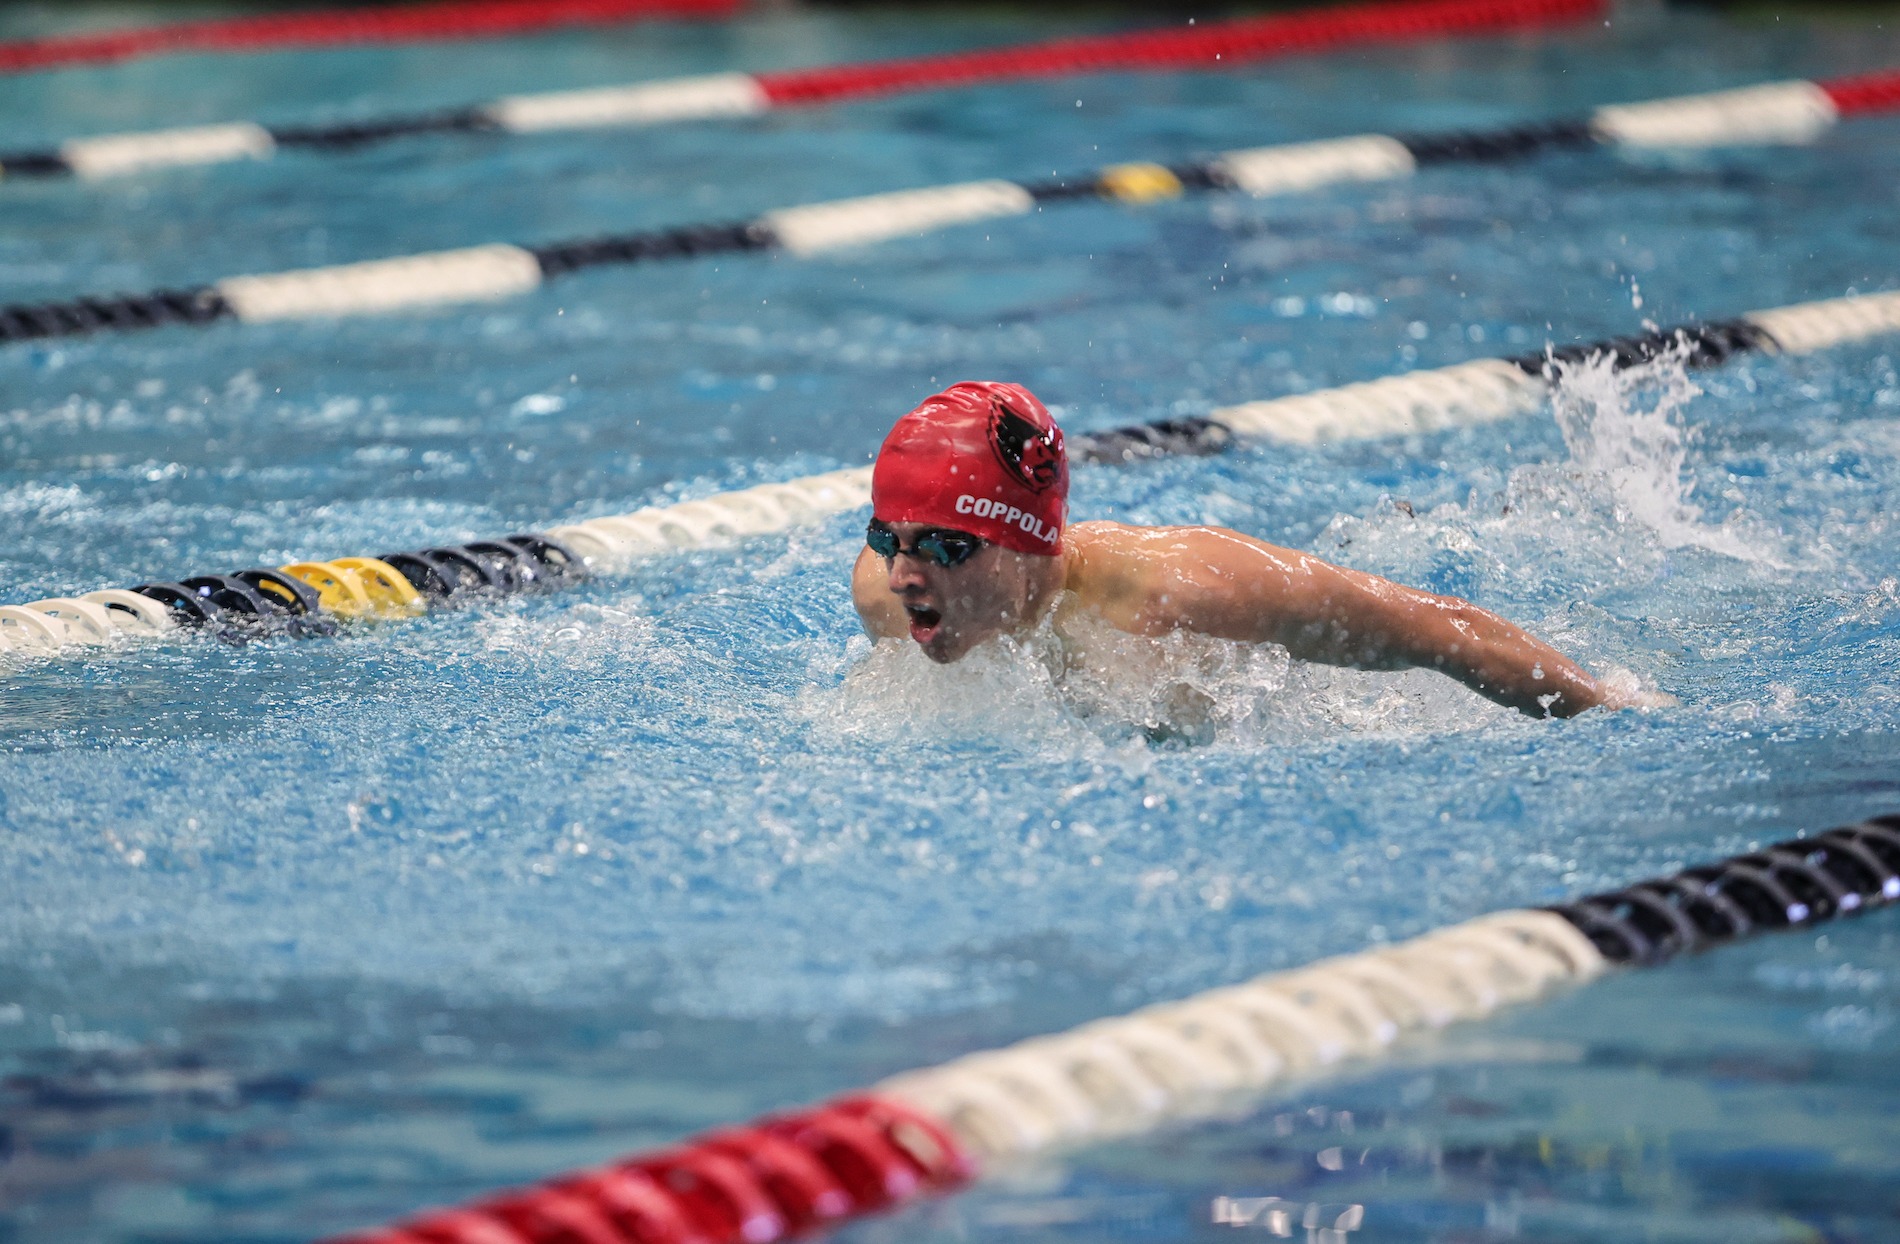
(727, 96)
(444, 19)
(1204, 46)
(1869, 92)
(781, 1176)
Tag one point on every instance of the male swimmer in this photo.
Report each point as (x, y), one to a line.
(968, 541)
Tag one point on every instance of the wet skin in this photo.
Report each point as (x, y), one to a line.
(1212, 581)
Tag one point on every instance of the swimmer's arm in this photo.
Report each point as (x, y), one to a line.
(1222, 583)
(882, 615)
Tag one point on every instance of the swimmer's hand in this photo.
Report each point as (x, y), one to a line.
(1633, 695)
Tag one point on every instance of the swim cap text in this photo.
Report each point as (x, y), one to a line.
(984, 507)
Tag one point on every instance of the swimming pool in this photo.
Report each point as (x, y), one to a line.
(302, 936)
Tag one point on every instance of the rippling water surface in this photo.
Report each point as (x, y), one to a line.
(303, 935)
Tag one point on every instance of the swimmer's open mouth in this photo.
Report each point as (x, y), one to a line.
(924, 622)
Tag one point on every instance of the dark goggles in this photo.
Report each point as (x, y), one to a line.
(940, 544)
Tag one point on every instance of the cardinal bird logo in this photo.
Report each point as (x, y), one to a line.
(1027, 451)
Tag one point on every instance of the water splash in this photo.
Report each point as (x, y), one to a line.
(1095, 690)
(1626, 433)
(1617, 518)
(1172, 688)
(1006, 689)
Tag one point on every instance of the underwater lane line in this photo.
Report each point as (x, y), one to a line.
(1214, 45)
(926, 1132)
(305, 598)
(1784, 112)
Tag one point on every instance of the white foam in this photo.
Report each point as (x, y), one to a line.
(1610, 515)
(1005, 689)
(1178, 687)
(1106, 692)
(1626, 431)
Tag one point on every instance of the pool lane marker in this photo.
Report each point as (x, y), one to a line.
(1214, 45)
(1775, 113)
(1488, 390)
(440, 19)
(303, 598)
(728, 95)
(927, 1132)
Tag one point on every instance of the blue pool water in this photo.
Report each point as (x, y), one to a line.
(305, 935)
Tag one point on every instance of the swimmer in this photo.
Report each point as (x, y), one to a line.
(969, 541)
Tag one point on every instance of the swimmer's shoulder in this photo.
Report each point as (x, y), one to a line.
(1100, 534)
(1108, 565)
(1143, 578)
(1103, 549)
(1094, 550)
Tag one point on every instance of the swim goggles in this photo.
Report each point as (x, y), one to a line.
(940, 544)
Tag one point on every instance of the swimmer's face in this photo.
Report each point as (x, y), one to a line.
(952, 609)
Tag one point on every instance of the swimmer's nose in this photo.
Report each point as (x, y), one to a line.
(905, 571)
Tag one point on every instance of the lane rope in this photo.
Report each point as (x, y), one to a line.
(1771, 113)
(1216, 45)
(927, 1132)
(307, 598)
(403, 23)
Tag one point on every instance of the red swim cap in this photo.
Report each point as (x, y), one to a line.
(981, 457)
